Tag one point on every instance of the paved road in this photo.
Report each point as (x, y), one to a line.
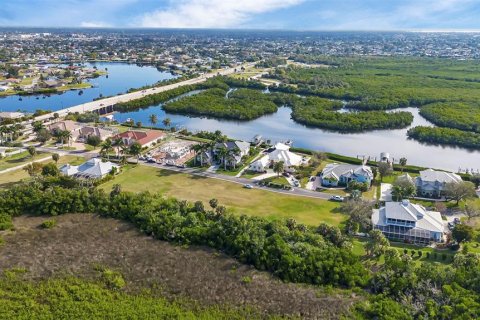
(242, 181)
(95, 105)
(200, 172)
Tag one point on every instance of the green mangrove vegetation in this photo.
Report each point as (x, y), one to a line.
(446, 136)
(385, 83)
(74, 298)
(456, 115)
(240, 104)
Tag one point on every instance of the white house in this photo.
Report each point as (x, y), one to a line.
(92, 169)
(406, 221)
(281, 153)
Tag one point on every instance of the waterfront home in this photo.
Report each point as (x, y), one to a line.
(81, 132)
(237, 149)
(88, 131)
(431, 183)
(408, 222)
(144, 138)
(280, 153)
(335, 174)
(92, 169)
(66, 125)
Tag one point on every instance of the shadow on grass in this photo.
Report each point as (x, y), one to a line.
(166, 173)
(195, 177)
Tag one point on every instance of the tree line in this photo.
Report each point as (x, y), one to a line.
(293, 252)
(445, 136)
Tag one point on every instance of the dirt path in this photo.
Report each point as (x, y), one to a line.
(80, 241)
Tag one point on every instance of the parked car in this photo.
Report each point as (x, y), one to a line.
(286, 174)
(456, 220)
(337, 198)
(151, 160)
(451, 225)
(248, 186)
(312, 178)
(296, 183)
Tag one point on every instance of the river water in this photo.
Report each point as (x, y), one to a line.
(276, 127)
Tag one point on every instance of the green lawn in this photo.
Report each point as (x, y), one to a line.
(278, 180)
(19, 159)
(253, 202)
(11, 178)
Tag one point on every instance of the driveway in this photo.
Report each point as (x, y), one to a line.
(242, 181)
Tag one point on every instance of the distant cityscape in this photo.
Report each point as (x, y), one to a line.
(201, 50)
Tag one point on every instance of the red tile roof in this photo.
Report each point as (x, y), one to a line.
(142, 137)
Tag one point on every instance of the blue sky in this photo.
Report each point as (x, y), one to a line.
(259, 14)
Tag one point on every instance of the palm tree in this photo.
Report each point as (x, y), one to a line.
(232, 153)
(153, 119)
(403, 162)
(55, 157)
(37, 126)
(223, 152)
(68, 136)
(119, 145)
(3, 130)
(64, 135)
(32, 151)
(107, 147)
(278, 167)
(196, 148)
(167, 122)
(135, 150)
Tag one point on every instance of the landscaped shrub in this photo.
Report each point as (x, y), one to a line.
(48, 224)
(5, 221)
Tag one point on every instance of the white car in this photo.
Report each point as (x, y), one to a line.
(248, 186)
(337, 198)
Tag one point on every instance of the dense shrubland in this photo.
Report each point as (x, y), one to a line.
(291, 251)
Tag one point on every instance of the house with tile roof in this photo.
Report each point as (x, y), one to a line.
(431, 183)
(335, 174)
(406, 221)
(145, 138)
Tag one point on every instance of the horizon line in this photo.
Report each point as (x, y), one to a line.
(419, 30)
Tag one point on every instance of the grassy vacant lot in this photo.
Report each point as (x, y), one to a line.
(242, 201)
(10, 178)
(19, 159)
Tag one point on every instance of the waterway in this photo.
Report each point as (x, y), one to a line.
(276, 127)
(120, 78)
(280, 127)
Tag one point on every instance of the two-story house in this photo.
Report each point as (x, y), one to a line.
(406, 221)
(431, 183)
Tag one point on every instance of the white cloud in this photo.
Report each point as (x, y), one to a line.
(409, 15)
(211, 13)
(94, 24)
